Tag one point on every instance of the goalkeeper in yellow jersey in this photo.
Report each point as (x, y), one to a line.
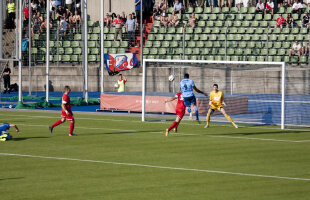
(217, 103)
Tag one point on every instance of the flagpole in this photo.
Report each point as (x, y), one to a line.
(47, 58)
(102, 47)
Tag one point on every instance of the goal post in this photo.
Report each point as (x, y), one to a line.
(238, 70)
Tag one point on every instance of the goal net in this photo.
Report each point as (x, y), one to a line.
(254, 91)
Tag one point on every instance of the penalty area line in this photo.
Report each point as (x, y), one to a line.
(158, 167)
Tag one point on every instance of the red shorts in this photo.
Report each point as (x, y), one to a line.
(67, 117)
(180, 113)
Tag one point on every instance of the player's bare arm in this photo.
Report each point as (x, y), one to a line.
(64, 108)
(13, 125)
(199, 91)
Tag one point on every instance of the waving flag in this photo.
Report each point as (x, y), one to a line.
(116, 63)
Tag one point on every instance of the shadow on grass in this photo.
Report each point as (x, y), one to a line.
(16, 178)
(27, 138)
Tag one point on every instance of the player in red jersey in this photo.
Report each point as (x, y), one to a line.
(180, 111)
(66, 113)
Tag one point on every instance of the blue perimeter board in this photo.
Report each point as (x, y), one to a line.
(263, 108)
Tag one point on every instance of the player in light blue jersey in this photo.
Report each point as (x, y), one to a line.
(5, 135)
(187, 86)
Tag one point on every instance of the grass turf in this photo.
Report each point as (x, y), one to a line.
(249, 150)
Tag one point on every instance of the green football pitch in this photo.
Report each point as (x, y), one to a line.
(120, 157)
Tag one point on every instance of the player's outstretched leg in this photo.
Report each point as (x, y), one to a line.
(189, 110)
(173, 125)
(229, 118)
(56, 124)
(210, 111)
(196, 112)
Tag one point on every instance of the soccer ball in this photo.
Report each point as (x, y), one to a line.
(116, 85)
(10, 106)
(171, 77)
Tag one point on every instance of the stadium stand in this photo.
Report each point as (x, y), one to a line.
(221, 34)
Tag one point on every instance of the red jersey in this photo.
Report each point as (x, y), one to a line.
(66, 101)
(180, 104)
(118, 21)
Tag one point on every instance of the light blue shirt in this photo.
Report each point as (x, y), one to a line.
(4, 127)
(186, 86)
(178, 7)
(130, 24)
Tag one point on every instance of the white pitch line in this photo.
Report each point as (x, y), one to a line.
(158, 167)
(186, 134)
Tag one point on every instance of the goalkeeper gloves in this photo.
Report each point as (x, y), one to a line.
(224, 104)
(210, 102)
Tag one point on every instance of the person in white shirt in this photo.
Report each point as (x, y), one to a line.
(260, 7)
(69, 4)
(296, 48)
(178, 7)
(297, 8)
(269, 7)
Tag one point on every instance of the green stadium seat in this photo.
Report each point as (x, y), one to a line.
(249, 17)
(290, 37)
(154, 51)
(247, 52)
(146, 50)
(273, 37)
(238, 51)
(243, 10)
(57, 58)
(188, 51)
(251, 44)
(246, 37)
(251, 10)
(295, 31)
(162, 51)
(196, 51)
(216, 10)
(74, 58)
(159, 37)
(94, 37)
(198, 30)
(221, 37)
(168, 37)
(189, 10)
(230, 51)
(239, 17)
(212, 37)
(250, 31)
(91, 44)
(110, 37)
(195, 37)
(272, 52)
(209, 57)
(201, 24)
(300, 37)
(148, 44)
(258, 17)
(237, 23)
(267, 17)
(225, 9)
(286, 30)
(219, 23)
(304, 31)
(221, 17)
(94, 51)
(282, 52)
(277, 45)
(252, 58)
(234, 10)
(281, 37)
(191, 44)
(77, 51)
(234, 58)
(242, 44)
(208, 44)
(116, 44)
(68, 51)
(230, 17)
(162, 30)
(212, 17)
(200, 44)
(263, 24)
(65, 58)
(96, 30)
(92, 58)
(188, 37)
(295, 16)
(204, 17)
(254, 24)
(215, 30)
(171, 30)
(272, 23)
(174, 44)
(156, 44)
(198, 10)
(260, 58)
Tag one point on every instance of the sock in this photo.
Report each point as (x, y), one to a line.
(189, 109)
(177, 124)
(57, 123)
(71, 127)
(196, 112)
(229, 119)
(208, 118)
(173, 125)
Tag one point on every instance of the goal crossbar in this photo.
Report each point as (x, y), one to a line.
(282, 64)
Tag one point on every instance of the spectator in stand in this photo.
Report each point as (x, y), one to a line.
(130, 29)
(174, 20)
(118, 23)
(244, 2)
(260, 7)
(222, 3)
(308, 3)
(156, 13)
(108, 20)
(296, 48)
(178, 7)
(280, 3)
(280, 21)
(63, 28)
(162, 6)
(191, 21)
(69, 4)
(289, 20)
(26, 15)
(68, 13)
(38, 16)
(77, 20)
(43, 26)
(42, 4)
(113, 17)
(11, 15)
(289, 3)
(269, 7)
(305, 49)
(53, 8)
(164, 20)
(138, 9)
(305, 20)
(123, 17)
(297, 8)
(34, 6)
(60, 13)
(134, 16)
(36, 27)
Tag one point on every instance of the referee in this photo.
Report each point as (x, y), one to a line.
(6, 78)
